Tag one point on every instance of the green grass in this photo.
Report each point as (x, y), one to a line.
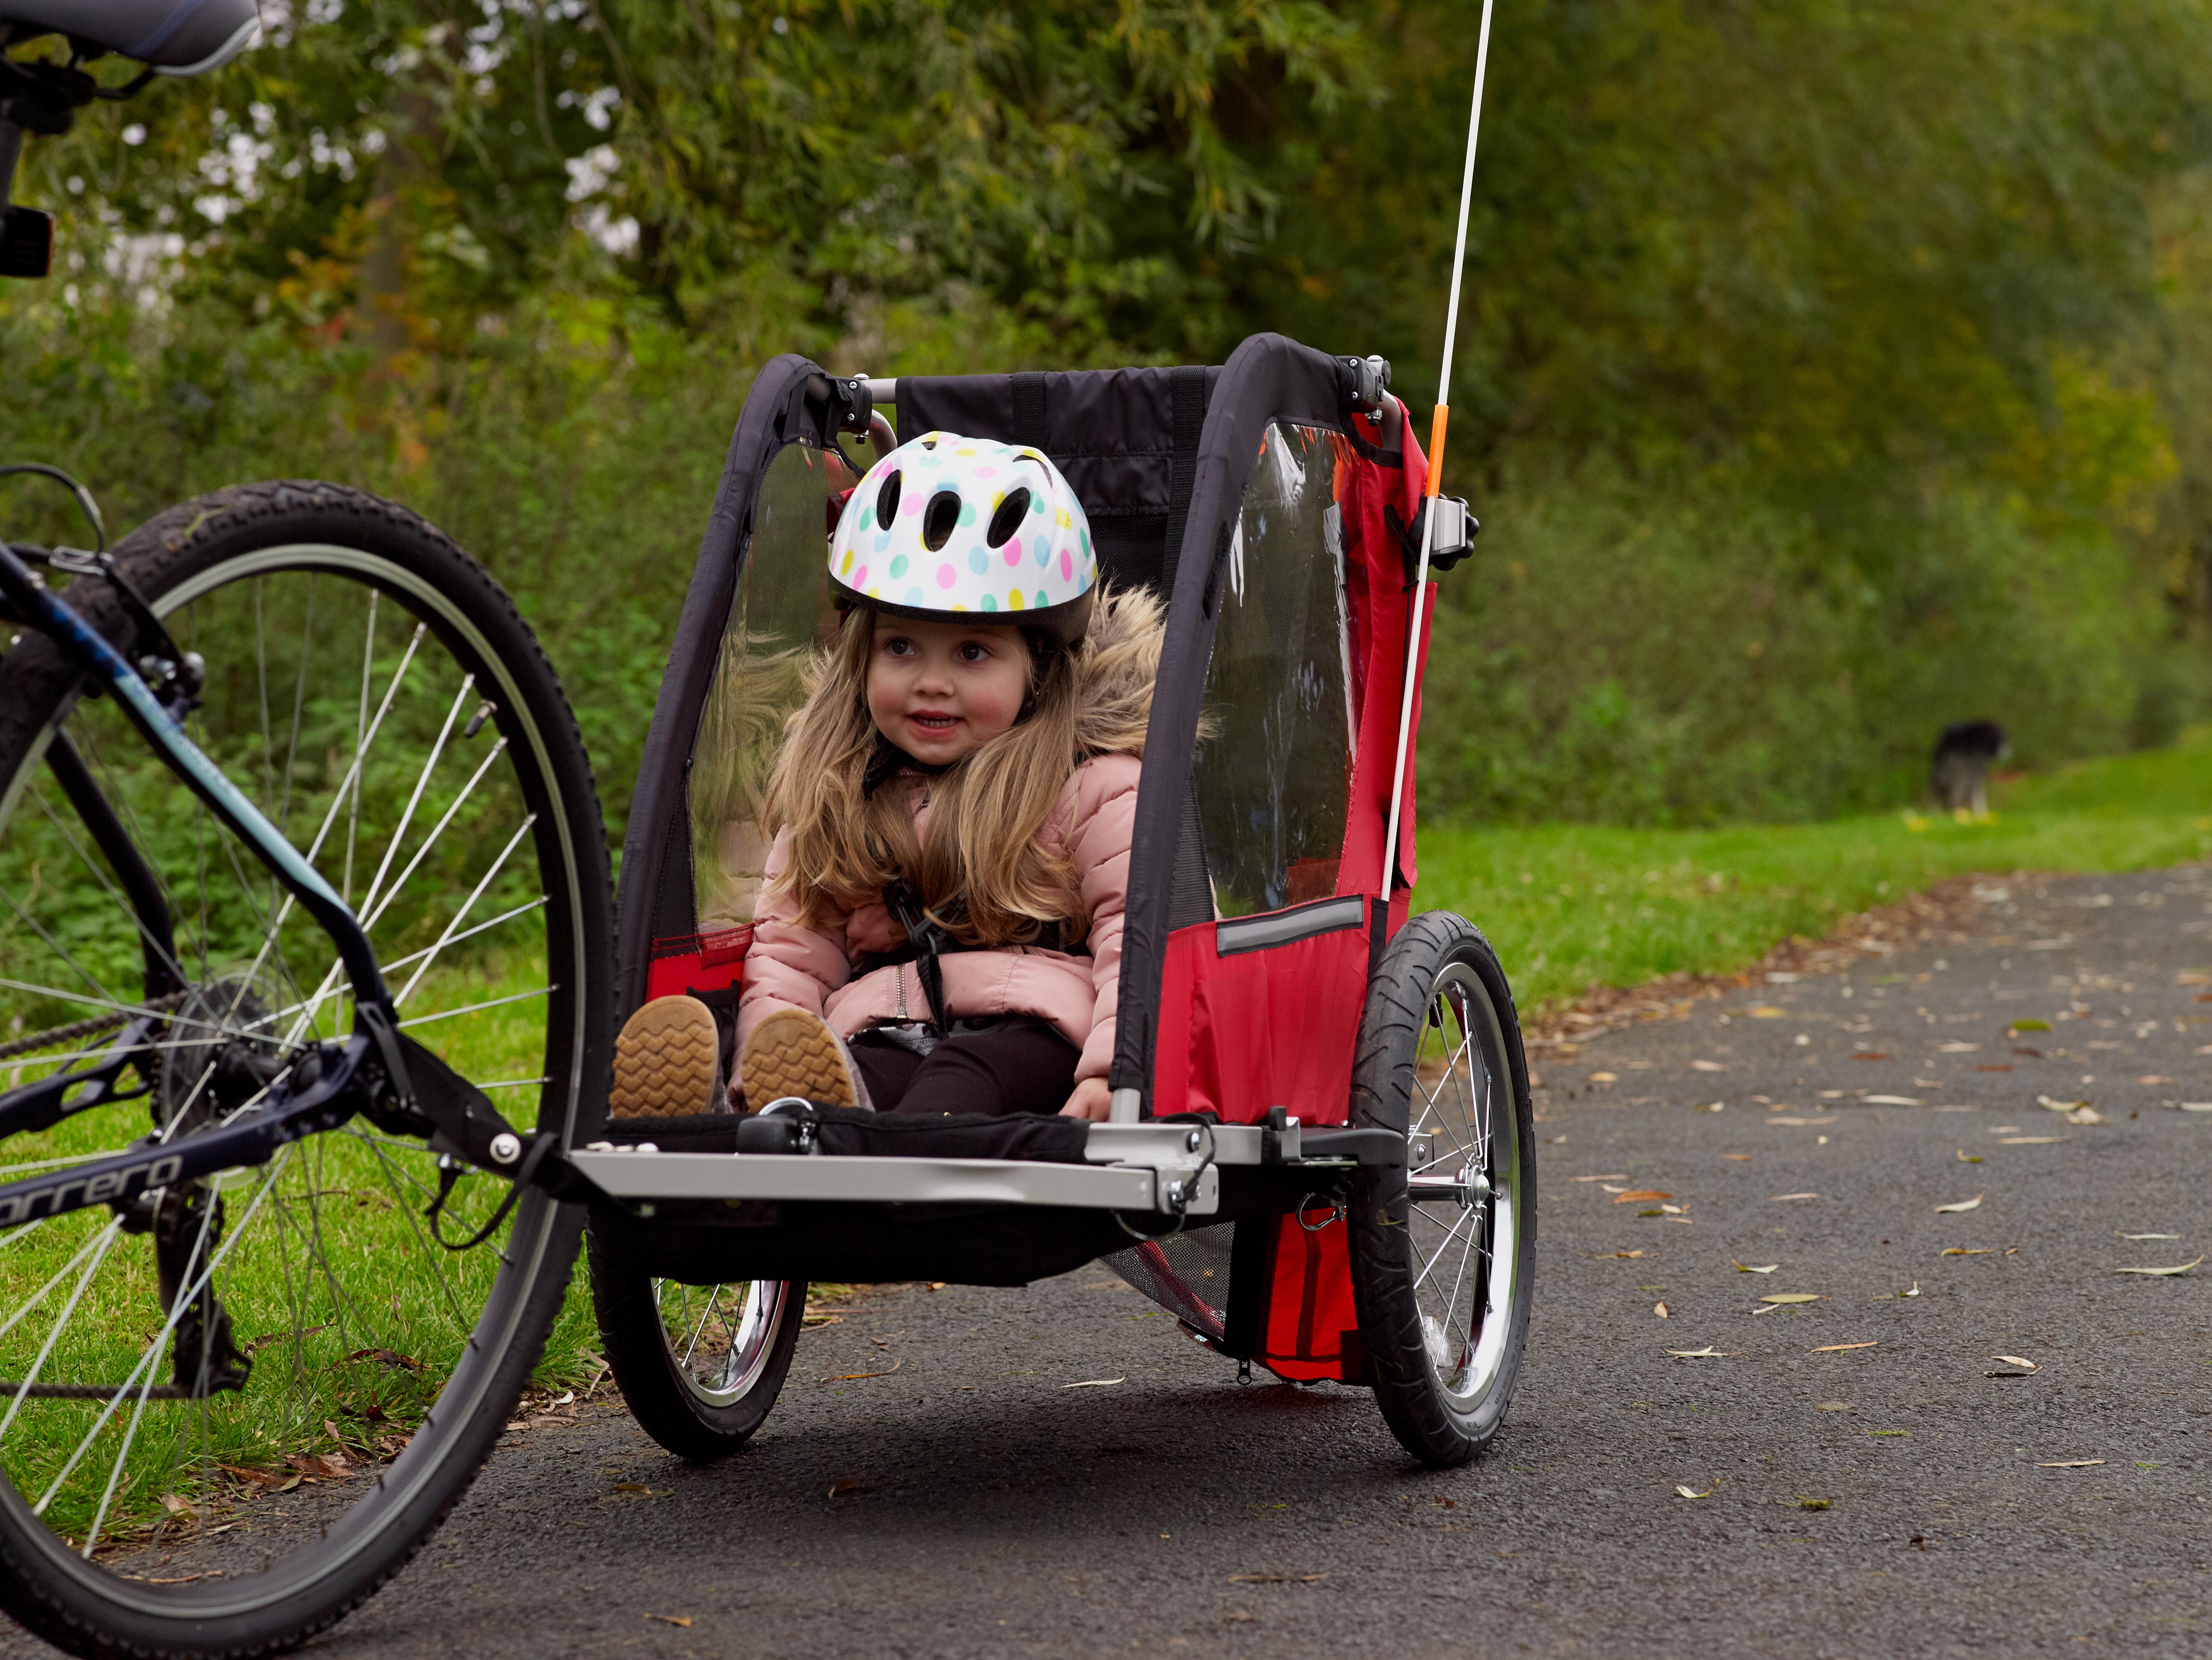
(351, 1315)
(1573, 906)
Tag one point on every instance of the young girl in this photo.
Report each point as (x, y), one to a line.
(941, 927)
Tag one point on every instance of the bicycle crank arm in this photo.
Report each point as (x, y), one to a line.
(323, 1102)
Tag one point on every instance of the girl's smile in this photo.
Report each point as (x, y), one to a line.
(940, 690)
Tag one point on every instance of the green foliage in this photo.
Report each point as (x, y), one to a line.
(1875, 337)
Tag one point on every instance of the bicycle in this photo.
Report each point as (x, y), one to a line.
(305, 936)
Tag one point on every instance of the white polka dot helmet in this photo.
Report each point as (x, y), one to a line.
(946, 524)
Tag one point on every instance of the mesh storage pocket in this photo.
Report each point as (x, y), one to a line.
(1187, 1275)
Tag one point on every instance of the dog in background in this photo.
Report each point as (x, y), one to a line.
(1958, 773)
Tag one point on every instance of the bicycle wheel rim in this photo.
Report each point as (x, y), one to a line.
(1463, 1102)
(720, 1353)
(419, 1478)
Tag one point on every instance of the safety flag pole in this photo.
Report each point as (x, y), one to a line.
(1436, 464)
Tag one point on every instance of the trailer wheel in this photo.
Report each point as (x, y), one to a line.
(1444, 1247)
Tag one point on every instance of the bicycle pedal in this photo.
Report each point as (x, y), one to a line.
(26, 242)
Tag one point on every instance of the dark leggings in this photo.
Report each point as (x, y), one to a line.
(1021, 1064)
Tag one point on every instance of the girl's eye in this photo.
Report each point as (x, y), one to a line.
(897, 646)
(971, 652)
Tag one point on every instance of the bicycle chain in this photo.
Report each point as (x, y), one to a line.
(55, 1036)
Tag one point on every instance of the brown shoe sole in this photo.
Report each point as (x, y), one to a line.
(792, 1052)
(665, 1061)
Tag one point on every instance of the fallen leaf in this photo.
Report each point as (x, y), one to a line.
(2161, 1273)
(1975, 1203)
(2153, 1078)
(2029, 1140)
(1792, 1297)
(1890, 1100)
(387, 1357)
(1708, 1353)
(2028, 1025)
(1687, 1493)
(2193, 1106)
(1604, 1078)
(1803, 1503)
(1292, 1578)
(632, 1486)
(1961, 1251)
(854, 1377)
(1768, 1012)
(1619, 1177)
(1779, 1197)
(847, 1483)
(1832, 1405)
(1871, 1055)
(2006, 1068)
(1956, 1048)
(1631, 1254)
(1880, 1433)
(1746, 1267)
(2014, 1360)
(1095, 1383)
(1740, 1158)
(2049, 1106)
(2071, 1464)
(1800, 1123)
(683, 1620)
(1707, 1065)
(937, 1285)
(1838, 1348)
(1915, 1291)
(2146, 1236)
(174, 1506)
(1640, 1196)
(1659, 1308)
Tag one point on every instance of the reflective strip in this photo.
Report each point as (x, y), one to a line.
(1280, 928)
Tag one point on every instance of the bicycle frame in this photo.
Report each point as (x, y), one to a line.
(377, 1071)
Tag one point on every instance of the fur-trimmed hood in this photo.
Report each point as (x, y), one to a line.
(1115, 672)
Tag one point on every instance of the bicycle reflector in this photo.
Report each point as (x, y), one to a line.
(26, 242)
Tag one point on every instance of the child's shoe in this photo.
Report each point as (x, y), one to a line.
(668, 1062)
(792, 1052)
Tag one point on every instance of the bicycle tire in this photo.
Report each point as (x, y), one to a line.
(1443, 1392)
(695, 1408)
(379, 1520)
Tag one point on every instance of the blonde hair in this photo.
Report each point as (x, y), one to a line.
(983, 872)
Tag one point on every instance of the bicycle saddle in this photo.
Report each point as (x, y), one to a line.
(171, 37)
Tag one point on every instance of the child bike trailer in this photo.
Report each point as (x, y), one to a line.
(1321, 1156)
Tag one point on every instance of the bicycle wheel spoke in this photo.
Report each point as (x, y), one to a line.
(368, 676)
(467, 905)
(489, 1003)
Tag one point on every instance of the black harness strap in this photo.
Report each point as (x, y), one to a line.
(927, 939)
(1187, 410)
(1029, 423)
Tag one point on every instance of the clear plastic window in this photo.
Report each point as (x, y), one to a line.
(780, 610)
(1272, 774)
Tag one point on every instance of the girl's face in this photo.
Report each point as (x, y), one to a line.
(942, 690)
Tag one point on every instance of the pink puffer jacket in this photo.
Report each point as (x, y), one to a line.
(811, 968)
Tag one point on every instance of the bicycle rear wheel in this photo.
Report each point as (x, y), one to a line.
(228, 1415)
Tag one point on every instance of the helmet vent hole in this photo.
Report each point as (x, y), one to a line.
(887, 500)
(938, 518)
(1008, 519)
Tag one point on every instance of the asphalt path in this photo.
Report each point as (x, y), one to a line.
(1981, 1438)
